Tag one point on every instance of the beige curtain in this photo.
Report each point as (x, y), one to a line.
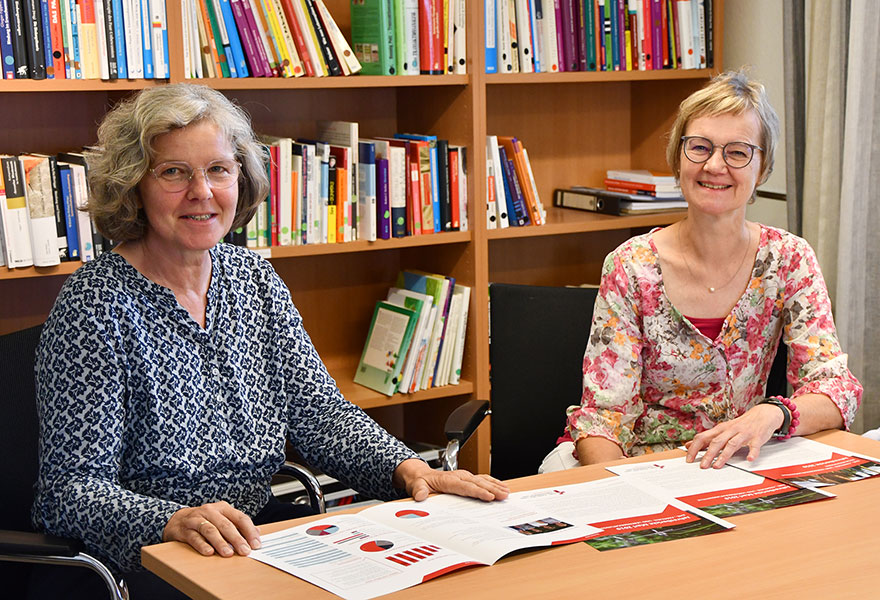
(858, 266)
(826, 68)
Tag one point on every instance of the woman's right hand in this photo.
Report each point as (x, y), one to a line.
(217, 526)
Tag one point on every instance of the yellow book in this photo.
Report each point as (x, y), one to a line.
(296, 65)
(268, 7)
(302, 13)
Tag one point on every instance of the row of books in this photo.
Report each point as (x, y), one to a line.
(40, 221)
(537, 36)
(512, 198)
(342, 188)
(263, 38)
(626, 191)
(410, 37)
(83, 39)
(417, 334)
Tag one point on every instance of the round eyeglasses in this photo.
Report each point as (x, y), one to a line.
(177, 176)
(737, 155)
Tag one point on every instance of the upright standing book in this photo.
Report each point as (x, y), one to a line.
(385, 350)
(372, 36)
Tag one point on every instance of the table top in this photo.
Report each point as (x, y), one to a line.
(826, 549)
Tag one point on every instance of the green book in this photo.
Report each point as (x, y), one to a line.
(385, 350)
(372, 36)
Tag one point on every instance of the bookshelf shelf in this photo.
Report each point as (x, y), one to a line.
(570, 221)
(574, 126)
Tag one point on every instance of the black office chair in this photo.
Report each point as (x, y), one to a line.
(20, 545)
(538, 336)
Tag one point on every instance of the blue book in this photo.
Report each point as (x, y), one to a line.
(47, 39)
(66, 179)
(146, 39)
(74, 42)
(614, 54)
(516, 212)
(367, 226)
(491, 37)
(508, 192)
(119, 35)
(534, 10)
(435, 174)
(383, 200)
(235, 47)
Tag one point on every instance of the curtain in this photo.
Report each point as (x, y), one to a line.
(826, 26)
(858, 267)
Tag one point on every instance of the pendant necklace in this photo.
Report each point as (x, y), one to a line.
(735, 273)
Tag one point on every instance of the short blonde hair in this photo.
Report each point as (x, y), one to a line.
(125, 152)
(729, 93)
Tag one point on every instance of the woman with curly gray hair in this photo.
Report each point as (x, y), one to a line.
(172, 371)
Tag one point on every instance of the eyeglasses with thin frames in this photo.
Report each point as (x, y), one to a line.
(736, 155)
(177, 176)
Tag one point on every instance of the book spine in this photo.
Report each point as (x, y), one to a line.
(430, 56)
(103, 59)
(15, 214)
(311, 37)
(333, 67)
(261, 44)
(445, 199)
(221, 44)
(58, 206)
(454, 199)
(249, 47)
(36, 53)
(65, 178)
(383, 201)
(6, 40)
(490, 40)
(299, 40)
(146, 38)
(523, 36)
(41, 213)
(46, 36)
(238, 53)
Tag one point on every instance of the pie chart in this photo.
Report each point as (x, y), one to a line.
(322, 530)
(377, 546)
(410, 514)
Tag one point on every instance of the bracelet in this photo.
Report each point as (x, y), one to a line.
(791, 416)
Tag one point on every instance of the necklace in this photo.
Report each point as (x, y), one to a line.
(735, 273)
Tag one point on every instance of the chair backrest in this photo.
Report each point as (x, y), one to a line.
(537, 340)
(18, 428)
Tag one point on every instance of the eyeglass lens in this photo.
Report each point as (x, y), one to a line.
(176, 177)
(735, 154)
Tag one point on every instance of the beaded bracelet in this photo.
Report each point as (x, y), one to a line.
(792, 420)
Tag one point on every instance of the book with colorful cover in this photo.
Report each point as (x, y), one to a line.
(384, 354)
(372, 36)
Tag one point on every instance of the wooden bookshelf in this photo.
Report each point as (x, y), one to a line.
(574, 126)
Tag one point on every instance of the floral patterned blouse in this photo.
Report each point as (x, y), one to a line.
(652, 380)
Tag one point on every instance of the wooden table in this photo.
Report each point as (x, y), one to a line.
(826, 550)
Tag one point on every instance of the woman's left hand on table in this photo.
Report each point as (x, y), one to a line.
(750, 430)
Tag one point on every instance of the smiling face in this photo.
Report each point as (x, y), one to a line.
(714, 187)
(195, 219)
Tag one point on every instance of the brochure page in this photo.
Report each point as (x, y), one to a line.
(723, 492)
(807, 463)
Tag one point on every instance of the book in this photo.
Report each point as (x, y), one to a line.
(342, 158)
(523, 36)
(65, 181)
(101, 38)
(458, 350)
(344, 54)
(421, 304)
(651, 189)
(41, 210)
(384, 353)
(311, 36)
(36, 51)
(432, 181)
(367, 226)
(284, 196)
(77, 164)
(372, 36)
(345, 133)
(514, 150)
(14, 215)
(438, 288)
(431, 37)
(131, 23)
(253, 48)
(642, 176)
(494, 156)
(516, 207)
(459, 38)
(6, 51)
(325, 47)
(232, 34)
(490, 39)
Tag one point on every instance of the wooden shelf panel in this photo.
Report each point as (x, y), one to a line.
(324, 83)
(77, 85)
(369, 399)
(573, 221)
(65, 268)
(597, 76)
(452, 237)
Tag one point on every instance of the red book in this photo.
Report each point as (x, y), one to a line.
(430, 37)
(273, 196)
(298, 40)
(57, 40)
(454, 196)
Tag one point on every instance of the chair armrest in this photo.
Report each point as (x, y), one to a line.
(464, 420)
(38, 544)
(309, 482)
(460, 426)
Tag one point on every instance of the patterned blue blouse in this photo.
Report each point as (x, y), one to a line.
(143, 412)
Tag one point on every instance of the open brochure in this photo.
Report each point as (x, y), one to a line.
(389, 547)
(723, 492)
(807, 463)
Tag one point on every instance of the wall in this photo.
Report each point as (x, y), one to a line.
(753, 37)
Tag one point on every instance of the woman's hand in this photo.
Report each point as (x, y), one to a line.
(213, 527)
(419, 480)
(752, 429)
